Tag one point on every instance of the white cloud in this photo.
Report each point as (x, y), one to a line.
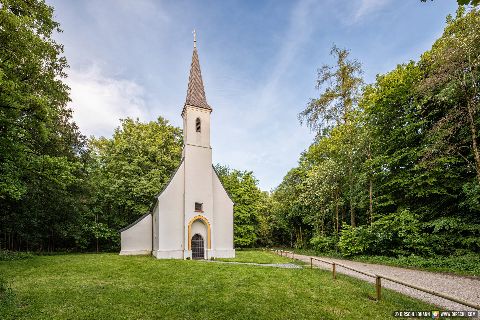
(98, 102)
(297, 34)
(367, 7)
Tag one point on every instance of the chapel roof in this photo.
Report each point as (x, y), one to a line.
(196, 92)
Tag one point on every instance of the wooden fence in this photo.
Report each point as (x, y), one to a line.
(378, 279)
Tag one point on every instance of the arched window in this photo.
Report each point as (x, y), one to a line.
(198, 125)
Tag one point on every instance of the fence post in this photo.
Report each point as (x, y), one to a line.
(293, 255)
(378, 287)
(334, 273)
(311, 263)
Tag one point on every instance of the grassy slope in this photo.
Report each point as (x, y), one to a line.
(108, 286)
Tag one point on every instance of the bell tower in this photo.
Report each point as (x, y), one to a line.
(196, 111)
(197, 154)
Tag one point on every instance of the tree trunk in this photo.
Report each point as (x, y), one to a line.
(370, 186)
(352, 211)
(336, 213)
(370, 194)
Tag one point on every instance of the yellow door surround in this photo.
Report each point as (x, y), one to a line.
(204, 220)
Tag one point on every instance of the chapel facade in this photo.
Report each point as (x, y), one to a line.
(192, 217)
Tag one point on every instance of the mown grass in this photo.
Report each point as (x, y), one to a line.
(109, 286)
(465, 265)
(257, 256)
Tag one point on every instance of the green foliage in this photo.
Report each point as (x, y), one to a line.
(397, 234)
(464, 2)
(472, 196)
(463, 264)
(126, 173)
(323, 244)
(250, 209)
(6, 255)
(41, 149)
(354, 241)
(404, 163)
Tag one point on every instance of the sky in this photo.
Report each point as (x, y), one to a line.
(131, 58)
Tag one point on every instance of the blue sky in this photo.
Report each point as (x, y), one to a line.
(258, 60)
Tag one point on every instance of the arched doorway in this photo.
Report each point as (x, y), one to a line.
(198, 247)
(202, 223)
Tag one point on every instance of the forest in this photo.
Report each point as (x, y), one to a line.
(394, 168)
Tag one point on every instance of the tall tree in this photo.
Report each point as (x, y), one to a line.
(453, 80)
(129, 169)
(40, 147)
(248, 198)
(341, 87)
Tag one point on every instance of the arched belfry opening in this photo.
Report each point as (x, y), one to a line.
(198, 246)
(198, 125)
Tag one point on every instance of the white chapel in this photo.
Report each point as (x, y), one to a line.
(192, 217)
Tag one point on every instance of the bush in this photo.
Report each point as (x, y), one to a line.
(323, 244)
(355, 241)
(395, 234)
(398, 233)
(6, 255)
(448, 234)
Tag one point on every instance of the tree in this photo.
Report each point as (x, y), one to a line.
(291, 211)
(129, 170)
(341, 89)
(452, 80)
(464, 2)
(41, 149)
(248, 199)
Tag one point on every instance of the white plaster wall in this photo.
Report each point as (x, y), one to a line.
(170, 218)
(138, 238)
(155, 227)
(223, 217)
(190, 134)
(198, 184)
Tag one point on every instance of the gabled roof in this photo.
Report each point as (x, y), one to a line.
(196, 92)
(134, 222)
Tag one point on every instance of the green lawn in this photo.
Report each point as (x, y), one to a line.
(109, 286)
(258, 256)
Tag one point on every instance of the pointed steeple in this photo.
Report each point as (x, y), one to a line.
(196, 92)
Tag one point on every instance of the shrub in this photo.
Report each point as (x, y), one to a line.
(355, 241)
(398, 233)
(322, 243)
(6, 255)
(395, 234)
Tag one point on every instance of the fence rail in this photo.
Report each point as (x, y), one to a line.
(378, 280)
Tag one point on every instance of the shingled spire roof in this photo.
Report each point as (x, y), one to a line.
(196, 92)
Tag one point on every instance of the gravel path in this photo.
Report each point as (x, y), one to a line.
(466, 289)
